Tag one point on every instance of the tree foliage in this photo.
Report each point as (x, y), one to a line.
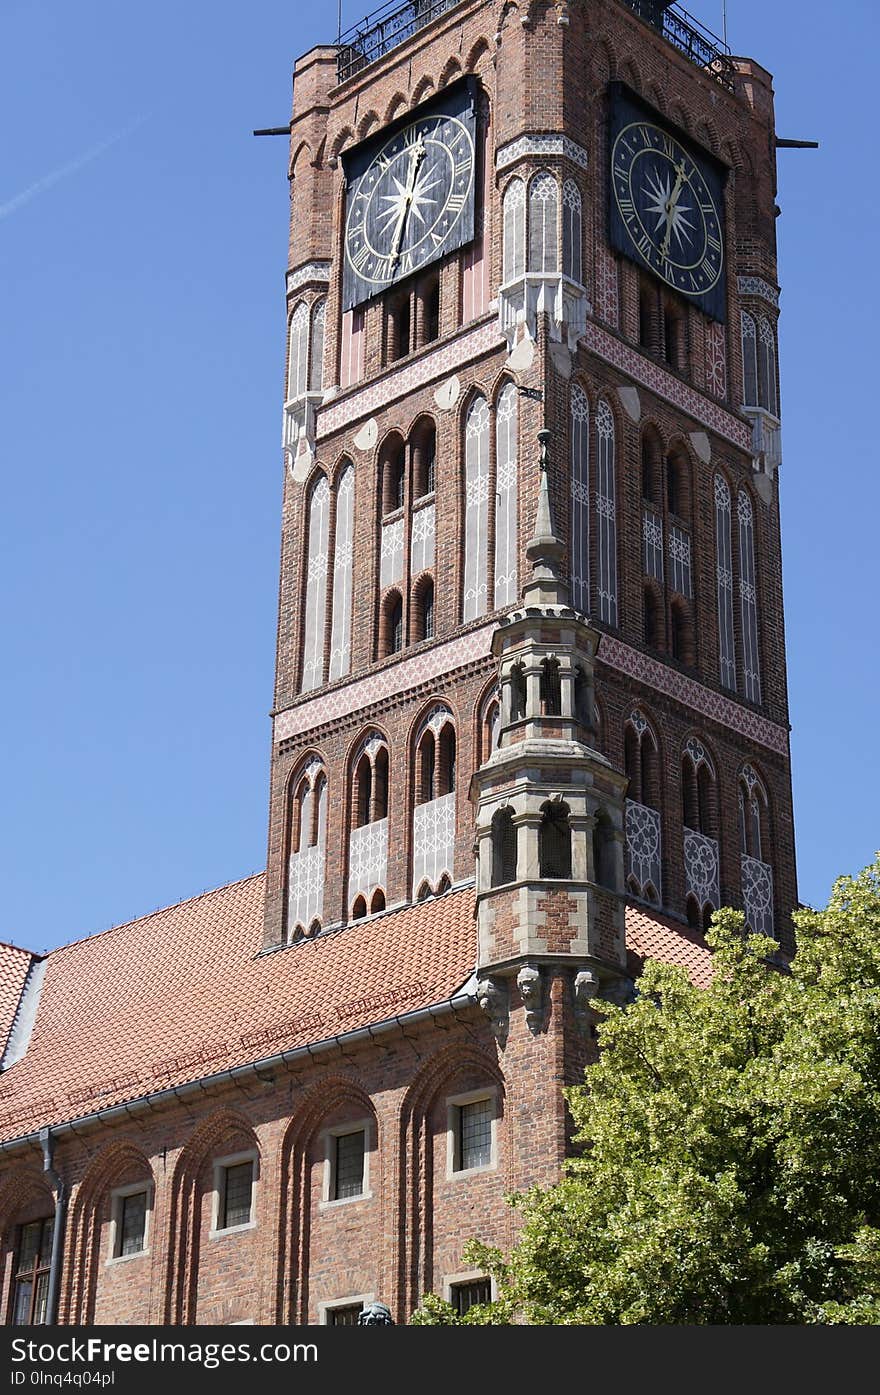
(728, 1166)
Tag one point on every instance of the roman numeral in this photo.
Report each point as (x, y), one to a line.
(406, 265)
(713, 242)
(360, 258)
(436, 240)
(455, 203)
(627, 207)
(645, 246)
(669, 147)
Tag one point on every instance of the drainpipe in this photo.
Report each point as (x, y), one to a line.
(47, 1142)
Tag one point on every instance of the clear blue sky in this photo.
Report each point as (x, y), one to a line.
(142, 255)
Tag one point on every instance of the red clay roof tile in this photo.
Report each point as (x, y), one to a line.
(14, 966)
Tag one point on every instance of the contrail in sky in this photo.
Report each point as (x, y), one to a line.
(65, 171)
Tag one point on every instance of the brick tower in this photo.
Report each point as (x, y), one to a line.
(508, 220)
(530, 608)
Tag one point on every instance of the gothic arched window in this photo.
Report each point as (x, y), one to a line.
(340, 628)
(580, 500)
(368, 839)
(316, 347)
(700, 819)
(315, 607)
(307, 841)
(754, 838)
(767, 393)
(434, 802)
(476, 464)
(543, 223)
(514, 218)
(506, 496)
(643, 821)
(572, 234)
(724, 577)
(606, 512)
(748, 591)
(298, 352)
(750, 360)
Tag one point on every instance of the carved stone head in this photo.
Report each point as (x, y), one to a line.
(375, 1315)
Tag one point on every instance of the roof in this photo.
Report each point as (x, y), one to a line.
(653, 936)
(14, 966)
(185, 993)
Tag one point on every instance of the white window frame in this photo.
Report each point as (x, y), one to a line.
(324, 1309)
(220, 1165)
(453, 1125)
(329, 1137)
(469, 1276)
(117, 1196)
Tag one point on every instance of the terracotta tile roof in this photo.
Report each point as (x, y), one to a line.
(183, 994)
(653, 936)
(14, 965)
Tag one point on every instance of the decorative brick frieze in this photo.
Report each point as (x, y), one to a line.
(308, 274)
(757, 286)
(540, 145)
(666, 385)
(391, 386)
(395, 680)
(702, 700)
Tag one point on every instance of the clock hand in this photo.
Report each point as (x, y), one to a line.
(416, 157)
(671, 205)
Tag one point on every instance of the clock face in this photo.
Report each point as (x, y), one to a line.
(411, 203)
(666, 207)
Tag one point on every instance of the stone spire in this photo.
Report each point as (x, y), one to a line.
(544, 549)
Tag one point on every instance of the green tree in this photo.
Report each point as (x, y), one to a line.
(728, 1166)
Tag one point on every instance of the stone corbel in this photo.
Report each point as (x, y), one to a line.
(531, 990)
(494, 1000)
(586, 988)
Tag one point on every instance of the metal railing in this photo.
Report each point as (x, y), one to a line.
(378, 33)
(689, 36)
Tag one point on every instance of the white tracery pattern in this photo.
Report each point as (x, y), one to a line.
(580, 500)
(315, 610)
(305, 875)
(367, 858)
(433, 840)
(697, 753)
(606, 514)
(506, 496)
(422, 533)
(340, 630)
(298, 353)
(724, 561)
(748, 598)
(391, 558)
(750, 361)
(716, 360)
(767, 394)
(757, 889)
(643, 850)
(701, 868)
(652, 540)
(316, 348)
(572, 233)
(514, 214)
(476, 463)
(543, 223)
(680, 561)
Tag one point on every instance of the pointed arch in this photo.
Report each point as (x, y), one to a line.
(580, 499)
(513, 214)
(748, 591)
(506, 495)
(315, 599)
(606, 513)
(572, 232)
(724, 584)
(543, 220)
(476, 506)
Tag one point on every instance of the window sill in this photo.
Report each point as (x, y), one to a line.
(231, 1230)
(465, 1172)
(125, 1259)
(344, 1201)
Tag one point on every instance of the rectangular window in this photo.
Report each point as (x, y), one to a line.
(467, 1295)
(348, 1165)
(474, 1142)
(31, 1285)
(236, 1195)
(131, 1226)
(344, 1317)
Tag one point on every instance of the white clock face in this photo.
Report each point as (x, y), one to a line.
(406, 207)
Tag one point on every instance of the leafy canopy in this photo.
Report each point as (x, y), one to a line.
(728, 1166)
